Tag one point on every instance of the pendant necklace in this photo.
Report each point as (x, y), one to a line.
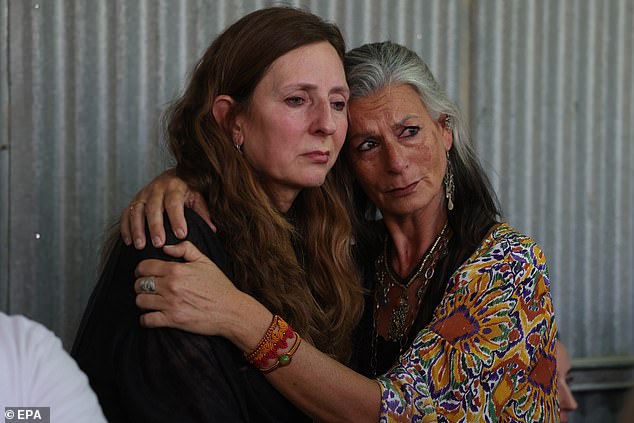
(400, 322)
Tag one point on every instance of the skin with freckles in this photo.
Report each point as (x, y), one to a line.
(398, 152)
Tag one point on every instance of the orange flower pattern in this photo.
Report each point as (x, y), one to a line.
(488, 355)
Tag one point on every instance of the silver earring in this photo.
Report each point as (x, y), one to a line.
(450, 187)
(449, 123)
(238, 147)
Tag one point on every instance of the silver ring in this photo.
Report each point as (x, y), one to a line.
(148, 285)
(134, 203)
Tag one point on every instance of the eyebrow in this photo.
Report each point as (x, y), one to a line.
(401, 123)
(398, 125)
(360, 135)
(307, 86)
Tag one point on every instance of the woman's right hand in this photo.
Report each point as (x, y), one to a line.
(196, 296)
(166, 192)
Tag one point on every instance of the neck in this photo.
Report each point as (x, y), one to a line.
(412, 237)
(283, 198)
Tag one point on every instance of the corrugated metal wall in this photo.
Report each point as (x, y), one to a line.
(546, 85)
(4, 158)
(552, 111)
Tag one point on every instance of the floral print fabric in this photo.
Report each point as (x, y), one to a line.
(488, 355)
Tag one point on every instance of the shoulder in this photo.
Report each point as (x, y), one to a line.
(22, 338)
(198, 233)
(504, 244)
(207, 241)
(197, 229)
(21, 344)
(506, 260)
(37, 368)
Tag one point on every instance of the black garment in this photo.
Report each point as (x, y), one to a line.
(375, 355)
(167, 375)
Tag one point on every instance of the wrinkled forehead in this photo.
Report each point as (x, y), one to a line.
(393, 103)
(310, 63)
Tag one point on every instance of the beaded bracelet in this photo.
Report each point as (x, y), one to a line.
(278, 342)
(284, 359)
(275, 339)
(267, 342)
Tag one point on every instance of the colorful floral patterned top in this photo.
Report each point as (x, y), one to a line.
(488, 354)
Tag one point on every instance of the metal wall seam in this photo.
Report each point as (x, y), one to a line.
(623, 116)
(626, 191)
(561, 148)
(4, 155)
(21, 175)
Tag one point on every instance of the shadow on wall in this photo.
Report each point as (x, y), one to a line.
(615, 405)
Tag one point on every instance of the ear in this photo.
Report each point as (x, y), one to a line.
(221, 110)
(221, 107)
(446, 127)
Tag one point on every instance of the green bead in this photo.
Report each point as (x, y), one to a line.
(284, 359)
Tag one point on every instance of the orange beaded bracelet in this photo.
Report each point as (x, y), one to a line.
(273, 334)
(275, 339)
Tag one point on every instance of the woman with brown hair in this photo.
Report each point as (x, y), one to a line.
(460, 325)
(256, 132)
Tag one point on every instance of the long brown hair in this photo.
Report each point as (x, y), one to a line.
(299, 265)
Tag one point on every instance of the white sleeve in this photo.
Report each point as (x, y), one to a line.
(35, 371)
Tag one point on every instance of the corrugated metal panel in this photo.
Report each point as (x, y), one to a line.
(4, 157)
(546, 86)
(89, 81)
(552, 111)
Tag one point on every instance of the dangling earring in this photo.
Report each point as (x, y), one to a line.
(236, 137)
(450, 187)
(449, 123)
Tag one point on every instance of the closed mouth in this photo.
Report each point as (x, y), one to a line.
(318, 156)
(404, 189)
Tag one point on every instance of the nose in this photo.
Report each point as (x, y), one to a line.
(324, 122)
(573, 402)
(567, 401)
(394, 157)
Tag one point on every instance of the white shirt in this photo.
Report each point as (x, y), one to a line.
(35, 371)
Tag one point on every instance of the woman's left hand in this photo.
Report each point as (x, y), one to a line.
(194, 296)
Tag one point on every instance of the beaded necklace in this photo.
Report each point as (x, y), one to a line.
(400, 323)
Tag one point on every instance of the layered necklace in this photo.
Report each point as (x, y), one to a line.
(400, 321)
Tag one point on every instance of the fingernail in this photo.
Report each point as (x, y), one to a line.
(168, 246)
(180, 232)
(127, 240)
(138, 243)
(156, 241)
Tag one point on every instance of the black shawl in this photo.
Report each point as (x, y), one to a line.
(167, 375)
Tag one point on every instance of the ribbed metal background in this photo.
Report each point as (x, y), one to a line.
(88, 83)
(552, 112)
(546, 85)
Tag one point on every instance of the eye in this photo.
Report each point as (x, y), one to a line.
(410, 131)
(295, 101)
(339, 103)
(366, 145)
(339, 106)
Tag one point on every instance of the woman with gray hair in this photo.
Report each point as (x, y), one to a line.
(459, 324)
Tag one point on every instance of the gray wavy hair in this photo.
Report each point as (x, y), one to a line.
(374, 66)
